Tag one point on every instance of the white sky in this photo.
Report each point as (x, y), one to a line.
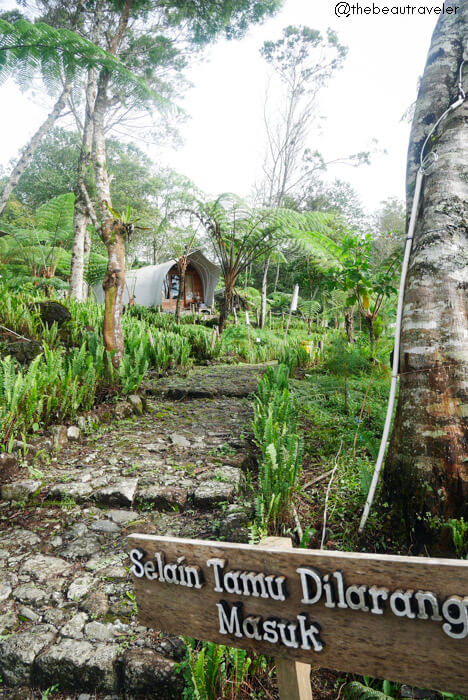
(224, 138)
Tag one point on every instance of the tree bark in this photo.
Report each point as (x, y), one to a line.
(226, 306)
(81, 241)
(182, 268)
(112, 234)
(30, 149)
(349, 324)
(264, 293)
(427, 464)
(370, 327)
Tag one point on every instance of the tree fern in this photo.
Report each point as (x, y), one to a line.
(27, 48)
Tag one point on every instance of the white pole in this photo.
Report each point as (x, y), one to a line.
(396, 351)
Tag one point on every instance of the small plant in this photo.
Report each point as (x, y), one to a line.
(213, 671)
(46, 693)
(275, 432)
(459, 535)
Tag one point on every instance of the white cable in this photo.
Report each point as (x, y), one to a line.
(404, 270)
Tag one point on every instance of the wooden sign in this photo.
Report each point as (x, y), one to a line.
(396, 618)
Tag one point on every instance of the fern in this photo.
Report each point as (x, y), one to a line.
(358, 691)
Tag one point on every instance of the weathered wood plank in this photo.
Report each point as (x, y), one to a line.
(293, 676)
(415, 651)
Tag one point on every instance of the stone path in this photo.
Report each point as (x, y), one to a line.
(67, 607)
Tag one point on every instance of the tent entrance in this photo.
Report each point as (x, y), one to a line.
(193, 292)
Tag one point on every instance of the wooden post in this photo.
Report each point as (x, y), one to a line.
(293, 676)
(214, 337)
(235, 315)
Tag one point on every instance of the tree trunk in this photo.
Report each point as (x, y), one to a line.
(427, 463)
(111, 233)
(370, 327)
(229, 284)
(81, 218)
(277, 276)
(349, 324)
(264, 293)
(182, 267)
(30, 149)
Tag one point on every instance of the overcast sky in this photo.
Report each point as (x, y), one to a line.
(224, 137)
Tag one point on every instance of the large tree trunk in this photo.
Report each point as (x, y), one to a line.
(427, 463)
(30, 149)
(81, 219)
(230, 280)
(264, 293)
(112, 233)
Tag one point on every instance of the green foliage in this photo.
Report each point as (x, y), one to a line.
(213, 671)
(27, 47)
(459, 529)
(67, 378)
(275, 431)
(359, 691)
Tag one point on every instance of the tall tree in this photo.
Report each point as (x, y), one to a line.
(426, 471)
(61, 54)
(153, 39)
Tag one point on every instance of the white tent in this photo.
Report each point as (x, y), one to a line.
(149, 285)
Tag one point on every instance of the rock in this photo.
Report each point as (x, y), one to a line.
(79, 588)
(226, 474)
(7, 461)
(76, 664)
(116, 573)
(105, 526)
(122, 410)
(56, 541)
(29, 593)
(163, 496)
(23, 350)
(99, 632)
(122, 517)
(76, 490)
(20, 490)
(78, 530)
(28, 614)
(55, 616)
(147, 674)
(96, 603)
(8, 622)
(81, 547)
(418, 694)
(4, 592)
(43, 567)
(136, 403)
(73, 433)
(74, 627)
(121, 493)
(60, 436)
(234, 528)
(53, 312)
(20, 538)
(211, 493)
(17, 653)
(240, 460)
(179, 440)
(82, 423)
